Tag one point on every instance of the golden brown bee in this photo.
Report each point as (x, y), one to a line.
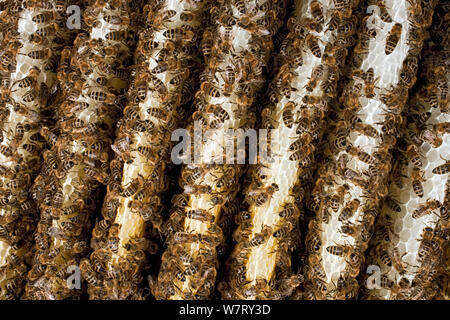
(337, 199)
(116, 35)
(261, 196)
(384, 14)
(30, 80)
(288, 114)
(333, 24)
(316, 75)
(313, 45)
(44, 17)
(412, 153)
(361, 155)
(340, 250)
(426, 208)
(443, 168)
(317, 12)
(392, 204)
(393, 38)
(366, 129)
(442, 128)
(431, 137)
(416, 180)
(369, 83)
(349, 210)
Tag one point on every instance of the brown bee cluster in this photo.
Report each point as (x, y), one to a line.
(312, 56)
(31, 40)
(166, 64)
(413, 230)
(92, 76)
(357, 160)
(236, 51)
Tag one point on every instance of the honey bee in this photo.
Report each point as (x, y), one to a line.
(361, 155)
(431, 137)
(340, 250)
(412, 153)
(118, 35)
(442, 128)
(333, 24)
(288, 114)
(366, 129)
(442, 169)
(316, 75)
(261, 196)
(317, 12)
(426, 208)
(44, 17)
(349, 210)
(30, 80)
(313, 45)
(416, 180)
(369, 83)
(384, 14)
(392, 204)
(178, 34)
(393, 38)
(337, 199)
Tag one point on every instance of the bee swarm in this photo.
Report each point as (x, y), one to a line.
(349, 201)
(93, 78)
(30, 45)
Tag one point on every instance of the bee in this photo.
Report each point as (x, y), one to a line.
(201, 215)
(210, 90)
(219, 112)
(302, 154)
(260, 197)
(416, 180)
(115, 19)
(116, 35)
(313, 45)
(442, 169)
(384, 14)
(369, 83)
(333, 24)
(442, 128)
(426, 208)
(88, 273)
(337, 199)
(361, 155)
(349, 210)
(431, 137)
(392, 204)
(412, 153)
(288, 114)
(44, 17)
(317, 12)
(101, 96)
(366, 129)
(30, 80)
(316, 75)
(298, 144)
(39, 54)
(178, 34)
(393, 38)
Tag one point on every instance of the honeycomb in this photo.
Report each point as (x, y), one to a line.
(262, 270)
(28, 86)
(130, 214)
(194, 229)
(358, 156)
(417, 238)
(94, 76)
